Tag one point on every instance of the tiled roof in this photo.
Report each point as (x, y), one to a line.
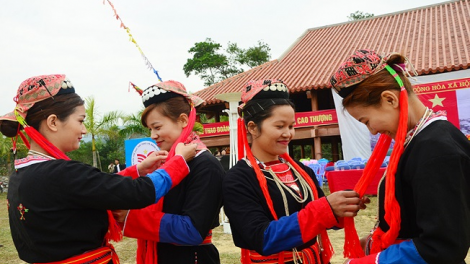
(435, 38)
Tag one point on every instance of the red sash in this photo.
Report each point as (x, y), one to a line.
(208, 239)
(307, 256)
(100, 255)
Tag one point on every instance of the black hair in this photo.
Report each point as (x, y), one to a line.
(265, 109)
(171, 108)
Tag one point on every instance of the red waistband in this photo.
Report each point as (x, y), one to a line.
(208, 239)
(98, 256)
(308, 256)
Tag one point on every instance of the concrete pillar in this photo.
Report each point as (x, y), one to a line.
(313, 95)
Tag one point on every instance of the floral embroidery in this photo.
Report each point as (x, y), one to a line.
(22, 210)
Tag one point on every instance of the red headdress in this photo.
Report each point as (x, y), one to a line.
(31, 91)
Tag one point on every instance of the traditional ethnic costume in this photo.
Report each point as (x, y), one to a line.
(58, 207)
(179, 228)
(277, 210)
(431, 184)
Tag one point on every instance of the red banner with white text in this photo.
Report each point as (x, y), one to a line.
(302, 119)
(451, 96)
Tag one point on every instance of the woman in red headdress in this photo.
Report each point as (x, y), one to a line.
(58, 207)
(424, 198)
(277, 211)
(179, 228)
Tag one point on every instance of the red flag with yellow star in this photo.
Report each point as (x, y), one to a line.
(446, 101)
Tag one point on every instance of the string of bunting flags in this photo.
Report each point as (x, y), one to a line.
(131, 38)
(136, 88)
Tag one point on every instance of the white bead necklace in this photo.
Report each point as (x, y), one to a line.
(427, 114)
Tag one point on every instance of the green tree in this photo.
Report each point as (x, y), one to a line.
(82, 154)
(6, 154)
(212, 65)
(250, 57)
(359, 15)
(207, 61)
(198, 128)
(98, 126)
(132, 126)
(111, 146)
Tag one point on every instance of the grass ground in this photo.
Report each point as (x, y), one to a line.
(229, 254)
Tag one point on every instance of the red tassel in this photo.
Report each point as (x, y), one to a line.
(45, 144)
(377, 237)
(141, 251)
(241, 137)
(328, 250)
(25, 141)
(114, 231)
(392, 207)
(352, 245)
(259, 174)
(373, 165)
(261, 179)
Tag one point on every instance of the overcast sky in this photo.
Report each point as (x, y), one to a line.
(82, 38)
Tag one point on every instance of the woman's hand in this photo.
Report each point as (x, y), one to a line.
(364, 200)
(345, 203)
(188, 151)
(363, 242)
(152, 162)
(120, 215)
